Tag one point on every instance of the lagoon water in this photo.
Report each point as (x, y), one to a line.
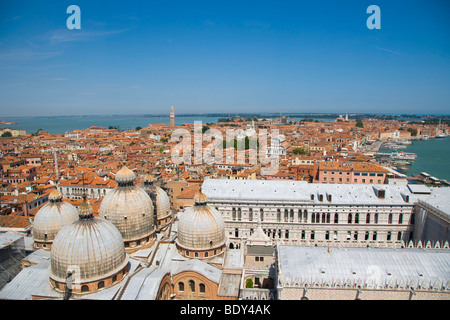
(62, 124)
(433, 157)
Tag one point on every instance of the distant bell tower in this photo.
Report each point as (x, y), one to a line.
(172, 118)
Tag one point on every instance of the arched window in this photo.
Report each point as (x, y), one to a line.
(202, 288)
(233, 214)
(349, 218)
(368, 218)
(323, 217)
(239, 214)
(376, 218)
(336, 218)
(313, 218)
(400, 218)
(317, 217)
(305, 215)
(181, 286)
(292, 215)
(357, 218)
(250, 214)
(206, 255)
(390, 218)
(278, 215)
(114, 279)
(84, 288)
(192, 285)
(261, 214)
(101, 284)
(299, 215)
(328, 217)
(286, 215)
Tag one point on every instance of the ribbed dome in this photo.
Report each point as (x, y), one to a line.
(159, 197)
(201, 227)
(130, 209)
(162, 203)
(91, 244)
(52, 217)
(125, 175)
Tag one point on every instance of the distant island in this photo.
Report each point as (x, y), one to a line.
(8, 122)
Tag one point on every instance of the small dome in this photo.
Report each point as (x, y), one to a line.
(91, 246)
(55, 195)
(200, 198)
(125, 175)
(201, 227)
(51, 218)
(162, 203)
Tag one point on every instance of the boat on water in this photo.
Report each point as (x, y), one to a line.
(400, 155)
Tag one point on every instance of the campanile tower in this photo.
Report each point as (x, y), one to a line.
(172, 118)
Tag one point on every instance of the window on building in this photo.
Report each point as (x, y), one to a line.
(181, 286)
(336, 218)
(101, 284)
(192, 285)
(327, 235)
(202, 288)
(312, 235)
(366, 237)
(400, 218)
(84, 288)
(356, 217)
(399, 236)
(261, 214)
(390, 218)
(374, 235)
(388, 237)
(368, 218)
(349, 218)
(303, 234)
(376, 218)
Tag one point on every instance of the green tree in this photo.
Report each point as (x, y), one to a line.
(249, 283)
(413, 131)
(359, 123)
(138, 128)
(161, 150)
(299, 151)
(6, 134)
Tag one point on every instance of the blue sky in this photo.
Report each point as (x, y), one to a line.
(134, 57)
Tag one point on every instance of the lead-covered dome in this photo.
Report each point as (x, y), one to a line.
(51, 218)
(130, 209)
(91, 249)
(201, 230)
(160, 200)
